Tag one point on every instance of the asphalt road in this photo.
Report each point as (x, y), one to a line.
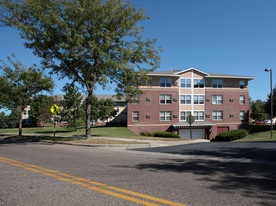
(197, 174)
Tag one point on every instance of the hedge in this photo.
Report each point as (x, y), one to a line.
(160, 134)
(231, 135)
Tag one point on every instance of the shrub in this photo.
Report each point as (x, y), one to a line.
(231, 135)
(165, 134)
(145, 134)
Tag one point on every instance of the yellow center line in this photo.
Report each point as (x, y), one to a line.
(31, 167)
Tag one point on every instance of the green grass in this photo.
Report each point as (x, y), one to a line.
(260, 136)
(96, 131)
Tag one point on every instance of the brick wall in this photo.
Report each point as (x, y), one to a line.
(149, 104)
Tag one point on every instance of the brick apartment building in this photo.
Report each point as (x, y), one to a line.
(218, 102)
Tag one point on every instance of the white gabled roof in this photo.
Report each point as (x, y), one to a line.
(183, 71)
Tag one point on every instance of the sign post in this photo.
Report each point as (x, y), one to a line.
(55, 110)
(190, 120)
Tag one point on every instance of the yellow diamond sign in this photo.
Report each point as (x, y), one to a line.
(55, 109)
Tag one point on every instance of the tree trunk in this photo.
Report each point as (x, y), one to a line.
(88, 113)
(20, 124)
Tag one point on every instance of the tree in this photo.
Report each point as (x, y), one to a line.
(19, 85)
(3, 120)
(13, 119)
(258, 110)
(72, 111)
(89, 41)
(268, 102)
(106, 109)
(40, 109)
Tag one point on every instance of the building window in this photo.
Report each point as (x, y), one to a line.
(186, 99)
(136, 99)
(198, 83)
(199, 115)
(165, 116)
(242, 84)
(242, 115)
(217, 99)
(242, 99)
(217, 115)
(184, 114)
(165, 99)
(165, 82)
(199, 99)
(217, 83)
(135, 116)
(185, 83)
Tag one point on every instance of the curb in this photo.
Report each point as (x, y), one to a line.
(99, 145)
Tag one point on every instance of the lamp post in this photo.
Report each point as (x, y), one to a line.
(271, 99)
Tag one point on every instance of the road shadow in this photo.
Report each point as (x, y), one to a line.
(247, 169)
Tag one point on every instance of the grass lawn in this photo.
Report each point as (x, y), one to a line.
(96, 131)
(260, 136)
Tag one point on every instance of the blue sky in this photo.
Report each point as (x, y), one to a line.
(218, 36)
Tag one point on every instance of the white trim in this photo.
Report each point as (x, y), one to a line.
(230, 77)
(183, 71)
(165, 75)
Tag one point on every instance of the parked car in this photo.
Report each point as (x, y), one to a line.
(259, 122)
(269, 121)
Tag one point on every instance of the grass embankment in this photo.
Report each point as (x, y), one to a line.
(260, 136)
(68, 134)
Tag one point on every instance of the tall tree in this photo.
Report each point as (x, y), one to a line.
(72, 112)
(40, 109)
(258, 110)
(18, 86)
(89, 41)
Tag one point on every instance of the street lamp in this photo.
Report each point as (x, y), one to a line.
(271, 99)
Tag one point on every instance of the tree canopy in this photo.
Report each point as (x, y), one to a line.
(18, 86)
(89, 41)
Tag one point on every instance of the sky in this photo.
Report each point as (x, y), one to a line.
(235, 37)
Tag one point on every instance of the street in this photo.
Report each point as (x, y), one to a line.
(194, 174)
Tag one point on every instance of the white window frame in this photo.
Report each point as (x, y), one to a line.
(167, 98)
(165, 82)
(185, 99)
(199, 115)
(217, 115)
(135, 116)
(186, 83)
(199, 99)
(184, 114)
(217, 100)
(242, 115)
(199, 83)
(217, 83)
(167, 115)
(242, 99)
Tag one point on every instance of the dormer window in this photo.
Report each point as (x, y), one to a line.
(165, 82)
